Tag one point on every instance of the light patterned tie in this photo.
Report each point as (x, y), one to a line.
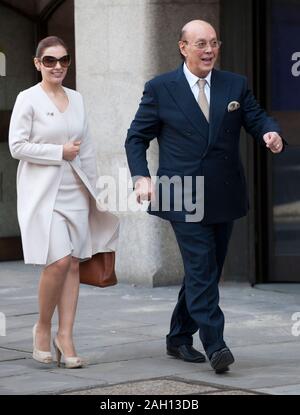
(202, 100)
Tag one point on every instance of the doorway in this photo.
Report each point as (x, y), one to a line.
(264, 46)
(283, 92)
(22, 25)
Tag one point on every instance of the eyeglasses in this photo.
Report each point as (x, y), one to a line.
(51, 61)
(214, 44)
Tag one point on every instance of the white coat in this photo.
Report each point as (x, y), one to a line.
(38, 131)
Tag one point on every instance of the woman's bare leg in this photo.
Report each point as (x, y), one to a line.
(50, 288)
(67, 309)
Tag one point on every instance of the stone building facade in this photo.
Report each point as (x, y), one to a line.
(117, 45)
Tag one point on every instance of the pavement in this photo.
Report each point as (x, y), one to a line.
(121, 332)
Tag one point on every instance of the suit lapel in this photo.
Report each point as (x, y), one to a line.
(219, 95)
(184, 98)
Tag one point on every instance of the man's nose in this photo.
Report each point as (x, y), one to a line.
(208, 48)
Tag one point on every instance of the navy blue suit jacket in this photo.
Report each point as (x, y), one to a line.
(189, 146)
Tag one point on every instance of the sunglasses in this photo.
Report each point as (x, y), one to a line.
(51, 61)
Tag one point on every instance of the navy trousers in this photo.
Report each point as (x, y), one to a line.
(203, 249)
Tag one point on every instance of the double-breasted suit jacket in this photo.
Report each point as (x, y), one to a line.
(189, 146)
(38, 131)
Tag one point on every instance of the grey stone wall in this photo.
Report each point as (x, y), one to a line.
(120, 44)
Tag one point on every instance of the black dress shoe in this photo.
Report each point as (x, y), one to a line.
(221, 359)
(186, 352)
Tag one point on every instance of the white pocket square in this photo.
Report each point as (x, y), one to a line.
(233, 106)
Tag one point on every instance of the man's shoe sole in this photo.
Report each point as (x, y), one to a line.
(223, 361)
(178, 356)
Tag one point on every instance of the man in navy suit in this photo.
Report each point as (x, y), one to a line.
(196, 113)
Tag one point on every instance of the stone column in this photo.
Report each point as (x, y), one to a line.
(120, 44)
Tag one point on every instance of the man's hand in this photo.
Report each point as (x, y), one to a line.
(71, 150)
(144, 190)
(273, 142)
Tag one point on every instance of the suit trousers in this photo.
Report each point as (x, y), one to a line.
(203, 249)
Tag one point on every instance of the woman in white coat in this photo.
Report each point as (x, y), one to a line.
(56, 183)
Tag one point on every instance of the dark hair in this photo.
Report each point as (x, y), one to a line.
(48, 42)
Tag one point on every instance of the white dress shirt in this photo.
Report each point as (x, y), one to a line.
(193, 83)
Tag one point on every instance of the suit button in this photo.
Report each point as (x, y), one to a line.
(227, 130)
(227, 183)
(189, 132)
(225, 157)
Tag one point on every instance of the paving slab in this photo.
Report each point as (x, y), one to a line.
(281, 390)
(150, 387)
(7, 355)
(41, 382)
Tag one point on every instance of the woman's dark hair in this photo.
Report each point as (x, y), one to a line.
(48, 42)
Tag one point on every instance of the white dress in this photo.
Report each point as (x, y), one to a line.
(69, 231)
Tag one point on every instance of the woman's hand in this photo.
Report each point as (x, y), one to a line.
(71, 150)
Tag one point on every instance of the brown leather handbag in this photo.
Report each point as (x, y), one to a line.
(99, 270)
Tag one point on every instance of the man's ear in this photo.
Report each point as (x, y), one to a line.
(181, 46)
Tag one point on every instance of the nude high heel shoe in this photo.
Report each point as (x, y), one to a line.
(70, 362)
(39, 355)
